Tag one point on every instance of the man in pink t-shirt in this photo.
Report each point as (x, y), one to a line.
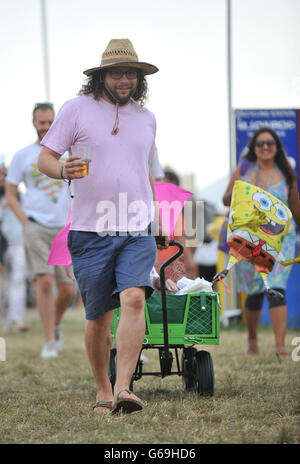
(110, 243)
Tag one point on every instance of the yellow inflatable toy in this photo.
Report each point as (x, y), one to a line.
(258, 223)
(289, 262)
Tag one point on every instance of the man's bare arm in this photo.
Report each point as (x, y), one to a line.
(49, 164)
(11, 193)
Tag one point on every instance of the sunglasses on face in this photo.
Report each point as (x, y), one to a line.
(117, 74)
(261, 143)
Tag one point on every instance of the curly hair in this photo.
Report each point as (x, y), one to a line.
(280, 157)
(95, 85)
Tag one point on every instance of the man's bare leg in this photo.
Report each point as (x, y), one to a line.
(45, 304)
(98, 344)
(129, 337)
(62, 302)
(63, 299)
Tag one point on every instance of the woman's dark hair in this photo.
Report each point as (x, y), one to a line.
(95, 85)
(172, 177)
(280, 157)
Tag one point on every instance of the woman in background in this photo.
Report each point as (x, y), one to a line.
(266, 166)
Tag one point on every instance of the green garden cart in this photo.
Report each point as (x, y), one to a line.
(180, 323)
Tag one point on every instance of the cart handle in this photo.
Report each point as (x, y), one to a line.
(167, 355)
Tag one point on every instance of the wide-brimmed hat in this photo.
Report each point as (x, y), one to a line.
(121, 52)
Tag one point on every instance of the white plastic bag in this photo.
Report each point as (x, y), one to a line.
(193, 286)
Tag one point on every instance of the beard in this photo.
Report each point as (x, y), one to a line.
(41, 134)
(114, 96)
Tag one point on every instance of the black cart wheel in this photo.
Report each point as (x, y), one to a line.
(204, 373)
(187, 362)
(112, 368)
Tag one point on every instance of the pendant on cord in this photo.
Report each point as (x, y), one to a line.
(115, 129)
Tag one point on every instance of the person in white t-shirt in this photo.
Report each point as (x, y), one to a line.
(43, 214)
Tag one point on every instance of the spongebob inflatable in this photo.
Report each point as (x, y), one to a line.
(258, 223)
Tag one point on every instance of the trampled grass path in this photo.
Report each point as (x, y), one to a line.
(256, 400)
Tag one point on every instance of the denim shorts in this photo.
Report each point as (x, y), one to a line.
(105, 266)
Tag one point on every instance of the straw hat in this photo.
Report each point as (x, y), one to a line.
(121, 52)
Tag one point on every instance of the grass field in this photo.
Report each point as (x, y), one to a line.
(256, 400)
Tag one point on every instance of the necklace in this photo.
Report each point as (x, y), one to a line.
(268, 182)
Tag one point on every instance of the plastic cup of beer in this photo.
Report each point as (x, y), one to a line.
(84, 151)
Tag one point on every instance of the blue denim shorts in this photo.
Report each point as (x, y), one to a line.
(105, 266)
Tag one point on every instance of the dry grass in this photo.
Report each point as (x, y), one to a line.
(256, 399)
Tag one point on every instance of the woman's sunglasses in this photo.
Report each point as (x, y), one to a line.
(261, 143)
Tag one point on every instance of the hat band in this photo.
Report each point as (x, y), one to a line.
(116, 60)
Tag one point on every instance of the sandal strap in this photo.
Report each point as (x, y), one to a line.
(123, 390)
(103, 404)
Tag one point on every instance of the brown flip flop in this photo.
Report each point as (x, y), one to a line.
(126, 405)
(103, 404)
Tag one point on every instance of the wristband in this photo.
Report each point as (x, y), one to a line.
(61, 172)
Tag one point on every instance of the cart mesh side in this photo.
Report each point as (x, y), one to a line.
(199, 319)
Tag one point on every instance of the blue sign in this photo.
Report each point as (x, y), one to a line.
(283, 122)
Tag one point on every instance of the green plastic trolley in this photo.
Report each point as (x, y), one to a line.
(177, 322)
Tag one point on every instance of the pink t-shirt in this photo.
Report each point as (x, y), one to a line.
(116, 195)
